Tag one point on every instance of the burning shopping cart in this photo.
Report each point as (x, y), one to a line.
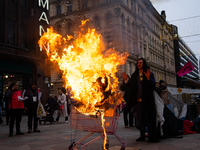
(92, 123)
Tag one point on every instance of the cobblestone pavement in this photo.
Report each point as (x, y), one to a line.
(59, 136)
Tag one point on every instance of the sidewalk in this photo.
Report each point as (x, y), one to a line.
(59, 136)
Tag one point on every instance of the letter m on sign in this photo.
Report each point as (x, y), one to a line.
(44, 4)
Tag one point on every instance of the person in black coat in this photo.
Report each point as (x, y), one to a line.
(142, 100)
(31, 105)
(125, 87)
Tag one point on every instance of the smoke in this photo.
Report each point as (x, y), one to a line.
(158, 1)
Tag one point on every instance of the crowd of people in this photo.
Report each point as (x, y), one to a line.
(139, 108)
(17, 103)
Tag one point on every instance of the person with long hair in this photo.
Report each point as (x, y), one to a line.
(142, 100)
(16, 108)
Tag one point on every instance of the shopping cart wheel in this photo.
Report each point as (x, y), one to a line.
(122, 148)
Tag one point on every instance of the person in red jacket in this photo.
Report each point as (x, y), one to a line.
(16, 108)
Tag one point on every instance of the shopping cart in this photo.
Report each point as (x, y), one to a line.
(93, 124)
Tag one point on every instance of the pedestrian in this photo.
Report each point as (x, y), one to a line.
(142, 99)
(7, 107)
(125, 87)
(16, 108)
(31, 105)
(1, 105)
(40, 93)
(163, 93)
(62, 112)
(50, 100)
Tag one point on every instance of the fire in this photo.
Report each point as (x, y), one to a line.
(89, 71)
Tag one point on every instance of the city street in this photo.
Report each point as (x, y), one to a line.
(59, 136)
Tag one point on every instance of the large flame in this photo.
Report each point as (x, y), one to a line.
(89, 72)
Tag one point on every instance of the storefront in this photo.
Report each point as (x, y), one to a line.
(15, 72)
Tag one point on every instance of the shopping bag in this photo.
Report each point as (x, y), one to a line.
(40, 111)
(61, 107)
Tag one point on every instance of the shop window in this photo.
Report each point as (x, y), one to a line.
(11, 32)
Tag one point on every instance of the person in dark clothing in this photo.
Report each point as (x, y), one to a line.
(1, 105)
(142, 100)
(125, 87)
(50, 100)
(31, 105)
(16, 108)
(6, 107)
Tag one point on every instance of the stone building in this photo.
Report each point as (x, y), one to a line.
(128, 25)
(20, 57)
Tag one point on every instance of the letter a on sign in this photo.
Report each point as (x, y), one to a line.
(44, 17)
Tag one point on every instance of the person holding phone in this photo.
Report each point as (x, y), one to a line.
(16, 108)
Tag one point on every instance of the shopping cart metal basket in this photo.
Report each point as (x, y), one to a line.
(93, 124)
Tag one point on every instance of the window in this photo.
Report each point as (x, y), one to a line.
(106, 1)
(84, 4)
(24, 3)
(128, 24)
(24, 38)
(109, 42)
(11, 32)
(126, 2)
(95, 2)
(69, 28)
(59, 28)
(58, 10)
(109, 18)
(123, 20)
(96, 22)
(133, 28)
(131, 5)
(69, 6)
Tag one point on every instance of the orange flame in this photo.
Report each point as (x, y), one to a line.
(89, 72)
(85, 68)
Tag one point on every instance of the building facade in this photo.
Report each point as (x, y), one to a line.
(133, 26)
(183, 54)
(20, 57)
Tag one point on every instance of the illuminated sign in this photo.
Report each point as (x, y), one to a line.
(43, 17)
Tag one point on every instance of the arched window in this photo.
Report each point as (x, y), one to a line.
(96, 22)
